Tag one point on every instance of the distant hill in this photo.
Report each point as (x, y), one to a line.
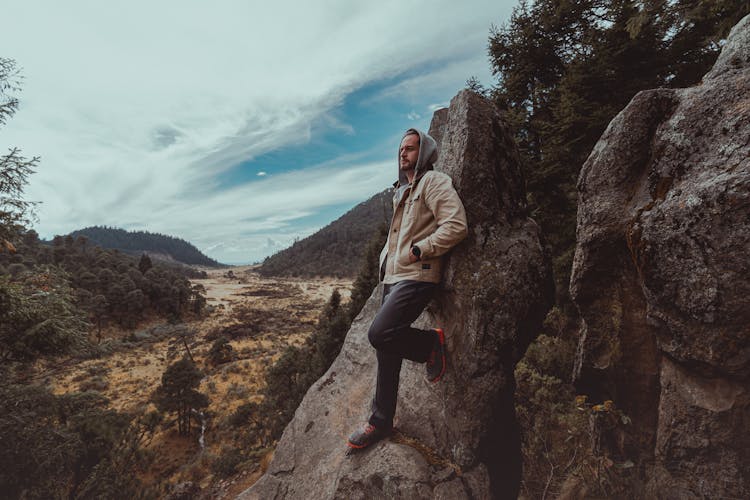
(158, 246)
(338, 248)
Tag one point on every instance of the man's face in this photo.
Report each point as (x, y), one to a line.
(409, 152)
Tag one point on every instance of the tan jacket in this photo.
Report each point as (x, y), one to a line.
(428, 214)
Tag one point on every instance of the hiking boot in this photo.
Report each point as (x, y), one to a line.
(362, 438)
(436, 362)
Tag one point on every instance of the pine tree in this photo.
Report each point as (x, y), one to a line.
(368, 276)
(298, 368)
(565, 68)
(38, 317)
(177, 392)
(145, 263)
(698, 27)
(15, 212)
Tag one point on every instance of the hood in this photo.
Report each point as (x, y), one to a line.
(425, 161)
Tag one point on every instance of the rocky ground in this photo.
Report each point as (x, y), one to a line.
(268, 313)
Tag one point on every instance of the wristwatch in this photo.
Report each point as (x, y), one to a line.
(417, 252)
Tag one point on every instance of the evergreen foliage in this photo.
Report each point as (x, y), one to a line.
(140, 242)
(106, 284)
(338, 248)
(145, 263)
(566, 68)
(69, 446)
(38, 316)
(49, 294)
(15, 212)
(369, 274)
(298, 368)
(221, 351)
(51, 445)
(177, 392)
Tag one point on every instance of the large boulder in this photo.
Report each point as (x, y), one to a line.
(661, 277)
(458, 438)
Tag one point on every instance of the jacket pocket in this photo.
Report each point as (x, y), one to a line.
(429, 270)
(412, 207)
(403, 257)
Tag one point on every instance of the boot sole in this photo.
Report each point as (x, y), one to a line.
(360, 446)
(356, 446)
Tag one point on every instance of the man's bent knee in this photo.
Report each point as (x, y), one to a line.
(381, 333)
(376, 336)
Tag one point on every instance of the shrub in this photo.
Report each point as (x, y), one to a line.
(96, 383)
(237, 391)
(69, 446)
(38, 316)
(244, 414)
(221, 352)
(226, 463)
(560, 431)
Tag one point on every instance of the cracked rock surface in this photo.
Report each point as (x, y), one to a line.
(661, 277)
(461, 437)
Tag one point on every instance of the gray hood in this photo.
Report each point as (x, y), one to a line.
(425, 161)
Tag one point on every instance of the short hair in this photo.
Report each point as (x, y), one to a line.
(413, 131)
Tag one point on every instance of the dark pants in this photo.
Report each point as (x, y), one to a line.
(394, 339)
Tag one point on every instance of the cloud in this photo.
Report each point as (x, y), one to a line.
(413, 115)
(440, 81)
(137, 109)
(244, 216)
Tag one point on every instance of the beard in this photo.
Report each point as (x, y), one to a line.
(407, 165)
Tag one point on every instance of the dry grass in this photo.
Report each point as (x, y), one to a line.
(432, 456)
(260, 317)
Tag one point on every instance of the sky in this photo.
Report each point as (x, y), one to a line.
(235, 125)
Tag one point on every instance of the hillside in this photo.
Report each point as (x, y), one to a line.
(157, 246)
(337, 249)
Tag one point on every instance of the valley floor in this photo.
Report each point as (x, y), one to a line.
(262, 316)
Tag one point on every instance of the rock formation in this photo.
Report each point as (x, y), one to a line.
(661, 277)
(458, 438)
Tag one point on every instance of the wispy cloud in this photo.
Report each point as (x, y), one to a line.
(136, 110)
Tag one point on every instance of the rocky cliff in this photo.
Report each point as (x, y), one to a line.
(661, 277)
(458, 438)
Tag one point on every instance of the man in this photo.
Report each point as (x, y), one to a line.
(428, 220)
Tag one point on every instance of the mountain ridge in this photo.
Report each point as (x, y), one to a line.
(336, 249)
(159, 246)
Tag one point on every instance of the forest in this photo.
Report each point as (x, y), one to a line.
(55, 300)
(564, 69)
(137, 242)
(338, 248)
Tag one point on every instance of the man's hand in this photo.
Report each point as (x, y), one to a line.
(412, 256)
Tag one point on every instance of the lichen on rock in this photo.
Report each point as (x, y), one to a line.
(663, 237)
